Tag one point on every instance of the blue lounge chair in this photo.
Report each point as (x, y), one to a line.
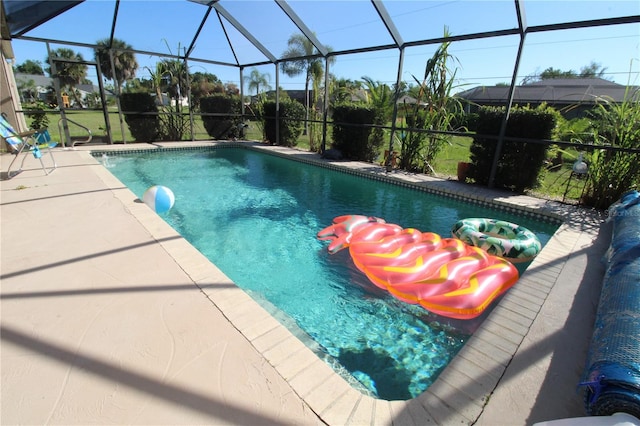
(32, 141)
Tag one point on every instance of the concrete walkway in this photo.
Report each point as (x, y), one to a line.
(100, 324)
(109, 317)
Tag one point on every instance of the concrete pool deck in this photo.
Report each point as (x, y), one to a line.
(108, 316)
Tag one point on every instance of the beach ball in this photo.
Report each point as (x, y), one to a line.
(159, 198)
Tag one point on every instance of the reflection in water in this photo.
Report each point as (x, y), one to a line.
(386, 375)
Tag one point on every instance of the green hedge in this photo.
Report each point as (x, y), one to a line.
(520, 163)
(291, 122)
(141, 115)
(226, 124)
(350, 137)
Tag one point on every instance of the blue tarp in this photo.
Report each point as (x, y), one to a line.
(612, 376)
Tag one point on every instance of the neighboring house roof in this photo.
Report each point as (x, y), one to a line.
(39, 80)
(297, 94)
(89, 88)
(43, 82)
(553, 91)
(406, 99)
(358, 95)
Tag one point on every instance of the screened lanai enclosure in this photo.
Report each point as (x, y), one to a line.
(316, 51)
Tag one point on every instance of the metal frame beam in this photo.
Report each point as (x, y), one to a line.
(388, 161)
(473, 36)
(388, 22)
(226, 36)
(112, 33)
(302, 27)
(238, 26)
(522, 30)
(188, 51)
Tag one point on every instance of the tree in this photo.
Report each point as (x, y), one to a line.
(344, 89)
(593, 70)
(174, 78)
(156, 80)
(169, 75)
(305, 60)
(612, 173)
(231, 89)
(138, 85)
(124, 61)
(551, 73)
(204, 84)
(380, 96)
(30, 67)
(402, 89)
(70, 70)
(435, 110)
(28, 90)
(257, 79)
(198, 77)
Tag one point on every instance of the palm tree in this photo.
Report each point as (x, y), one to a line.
(156, 80)
(380, 96)
(174, 78)
(124, 61)
(70, 73)
(593, 70)
(257, 79)
(438, 114)
(301, 49)
(343, 89)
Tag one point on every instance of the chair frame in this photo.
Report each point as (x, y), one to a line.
(28, 143)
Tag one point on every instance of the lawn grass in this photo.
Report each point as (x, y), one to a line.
(91, 119)
(554, 183)
(558, 184)
(446, 164)
(95, 122)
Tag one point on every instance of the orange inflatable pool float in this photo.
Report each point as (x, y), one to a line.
(443, 275)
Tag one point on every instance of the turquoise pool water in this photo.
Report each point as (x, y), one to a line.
(256, 217)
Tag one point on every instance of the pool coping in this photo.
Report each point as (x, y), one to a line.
(461, 392)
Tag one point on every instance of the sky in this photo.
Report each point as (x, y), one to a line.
(169, 26)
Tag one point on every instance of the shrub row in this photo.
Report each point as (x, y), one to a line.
(520, 162)
(291, 119)
(351, 135)
(141, 115)
(225, 121)
(221, 116)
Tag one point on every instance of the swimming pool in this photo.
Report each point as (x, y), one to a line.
(256, 216)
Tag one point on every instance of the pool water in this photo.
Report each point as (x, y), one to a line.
(256, 217)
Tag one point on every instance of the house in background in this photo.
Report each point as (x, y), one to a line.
(299, 96)
(33, 86)
(39, 87)
(572, 97)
